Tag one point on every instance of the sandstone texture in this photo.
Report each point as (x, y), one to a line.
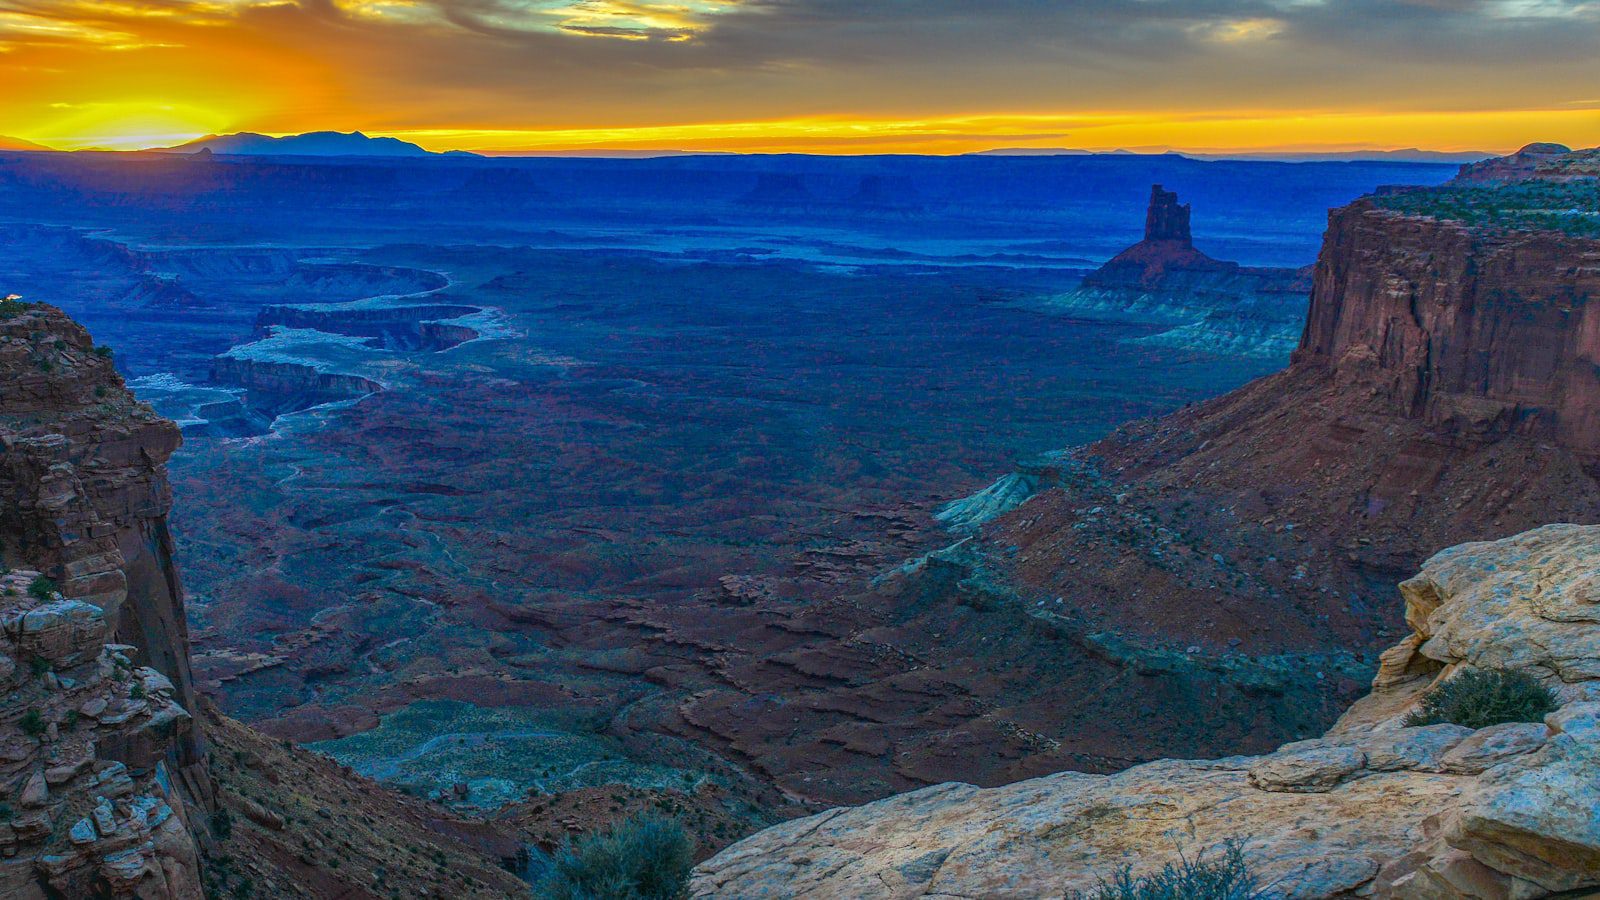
(1372, 809)
(93, 806)
(1476, 333)
(86, 494)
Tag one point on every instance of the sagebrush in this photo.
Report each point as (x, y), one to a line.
(1224, 876)
(645, 858)
(1478, 698)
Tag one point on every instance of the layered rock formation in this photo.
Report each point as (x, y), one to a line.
(277, 386)
(93, 806)
(1216, 306)
(87, 496)
(1476, 333)
(1443, 392)
(99, 731)
(1374, 808)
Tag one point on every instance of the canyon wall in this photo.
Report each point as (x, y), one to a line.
(108, 786)
(1440, 395)
(86, 495)
(274, 386)
(1478, 333)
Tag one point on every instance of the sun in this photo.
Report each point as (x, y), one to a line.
(128, 125)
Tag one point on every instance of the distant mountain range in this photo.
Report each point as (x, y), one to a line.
(315, 143)
(1408, 155)
(1411, 154)
(14, 144)
(355, 143)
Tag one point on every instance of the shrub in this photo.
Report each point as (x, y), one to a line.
(644, 858)
(1479, 698)
(33, 723)
(103, 351)
(41, 588)
(1229, 878)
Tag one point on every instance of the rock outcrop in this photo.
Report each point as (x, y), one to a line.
(1535, 161)
(93, 806)
(1215, 306)
(1443, 392)
(1374, 808)
(277, 386)
(1477, 333)
(86, 495)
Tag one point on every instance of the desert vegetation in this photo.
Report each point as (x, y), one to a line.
(1214, 876)
(1479, 698)
(645, 858)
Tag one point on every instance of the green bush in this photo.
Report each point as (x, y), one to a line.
(644, 858)
(33, 723)
(1479, 698)
(41, 588)
(1228, 878)
(103, 351)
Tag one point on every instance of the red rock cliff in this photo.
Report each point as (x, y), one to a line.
(86, 494)
(1475, 332)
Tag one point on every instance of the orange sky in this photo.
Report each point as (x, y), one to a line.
(841, 76)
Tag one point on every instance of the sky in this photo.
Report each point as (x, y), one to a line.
(824, 76)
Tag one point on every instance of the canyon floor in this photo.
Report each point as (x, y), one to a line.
(532, 520)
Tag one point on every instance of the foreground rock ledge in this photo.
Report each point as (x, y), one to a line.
(1371, 809)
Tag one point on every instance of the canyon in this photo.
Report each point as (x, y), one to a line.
(491, 543)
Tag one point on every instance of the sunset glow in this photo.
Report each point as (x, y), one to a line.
(819, 76)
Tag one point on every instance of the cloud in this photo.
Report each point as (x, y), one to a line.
(595, 64)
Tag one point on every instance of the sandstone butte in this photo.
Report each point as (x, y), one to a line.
(1371, 809)
(1213, 304)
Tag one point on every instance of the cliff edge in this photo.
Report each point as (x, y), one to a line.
(1374, 808)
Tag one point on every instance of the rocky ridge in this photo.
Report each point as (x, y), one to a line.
(1374, 808)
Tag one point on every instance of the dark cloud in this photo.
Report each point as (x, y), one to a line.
(538, 63)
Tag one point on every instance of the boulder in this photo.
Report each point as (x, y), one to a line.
(1310, 767)
(1493, 745)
